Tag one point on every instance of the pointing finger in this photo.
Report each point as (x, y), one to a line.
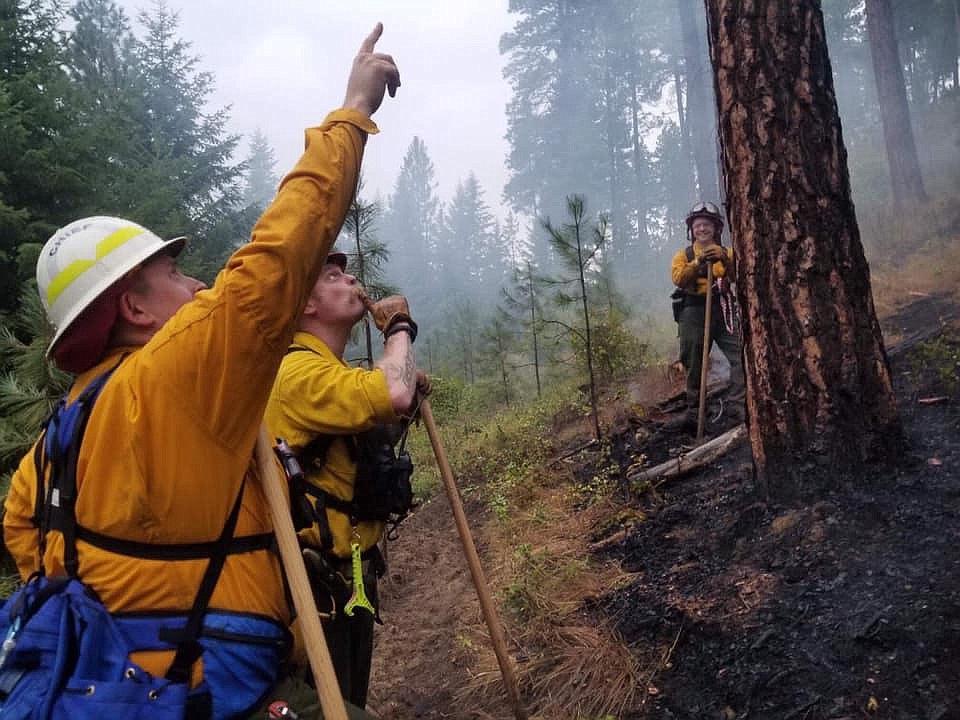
(371, 40)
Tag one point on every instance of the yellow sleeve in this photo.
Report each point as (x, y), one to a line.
(219, 354)
(314, 395)
(20, 535)
(683, 273)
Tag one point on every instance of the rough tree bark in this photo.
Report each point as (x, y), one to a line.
(906, 181)
(820, 399)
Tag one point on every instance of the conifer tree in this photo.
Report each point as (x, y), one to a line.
(411, 228)
(521, 304)
(261, 181)
(577, 243)
(29, 385)
(368, 256)
(469, 259)
(497, 341)
(38, 166)
(819, 392)
(189, 180)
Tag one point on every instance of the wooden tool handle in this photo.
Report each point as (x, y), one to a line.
(705, 363)
(324, 676)
(473, 560)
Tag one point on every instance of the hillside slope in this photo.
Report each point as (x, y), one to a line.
(727, 605)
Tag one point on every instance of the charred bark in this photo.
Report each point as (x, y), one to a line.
(820, 398)
(906, 181)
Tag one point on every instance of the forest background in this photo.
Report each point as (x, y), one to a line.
(104, 114)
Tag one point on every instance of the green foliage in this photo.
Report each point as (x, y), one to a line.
(367, 260)
(261, 180)
(452, 398)
(97, 121)
(578, 244)
(523, 596)
(616, 350)
(496, 454)
(413, 219)
(940, 360)
(509, 449)
(29, 385)
(40, 156)
(358, 239)
(605, 476)
(521, 314)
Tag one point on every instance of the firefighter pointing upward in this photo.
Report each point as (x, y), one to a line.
(167, 451)
(689, 274)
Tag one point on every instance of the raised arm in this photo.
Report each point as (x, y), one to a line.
(244, 323)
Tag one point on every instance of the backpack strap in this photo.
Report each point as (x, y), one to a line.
(56, 508)
(60, 498)
(186, 638)
(174, 551)
(313, 456)
(39, 465)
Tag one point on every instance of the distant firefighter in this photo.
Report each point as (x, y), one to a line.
(689, 274)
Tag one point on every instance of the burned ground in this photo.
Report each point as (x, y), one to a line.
(844, 606)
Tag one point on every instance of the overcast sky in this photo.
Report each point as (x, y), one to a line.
(283, 65)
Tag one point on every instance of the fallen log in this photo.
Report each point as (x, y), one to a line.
(698, 457)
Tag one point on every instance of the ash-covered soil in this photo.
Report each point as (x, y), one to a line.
(845, 606)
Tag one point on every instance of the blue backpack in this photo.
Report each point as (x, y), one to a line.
(64, 655)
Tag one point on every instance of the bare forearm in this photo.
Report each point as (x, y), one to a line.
(400, 368)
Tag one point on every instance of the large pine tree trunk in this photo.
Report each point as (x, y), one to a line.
(906, 182)
(819, 389)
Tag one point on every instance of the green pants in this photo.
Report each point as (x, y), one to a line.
(691, 354)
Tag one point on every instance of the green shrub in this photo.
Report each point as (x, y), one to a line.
(941, 359)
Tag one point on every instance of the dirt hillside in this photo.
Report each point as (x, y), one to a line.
(735, 607)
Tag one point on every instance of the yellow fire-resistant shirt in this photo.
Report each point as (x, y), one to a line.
(173, 431)
(317, 393)
(686, 274)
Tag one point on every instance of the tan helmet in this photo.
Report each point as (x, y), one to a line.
(337, 258)
(705, 210)
(83, 259)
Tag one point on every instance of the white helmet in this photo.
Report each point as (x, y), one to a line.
(85, 258)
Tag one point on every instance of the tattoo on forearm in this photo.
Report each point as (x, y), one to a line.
(409, 369)
(407, 374)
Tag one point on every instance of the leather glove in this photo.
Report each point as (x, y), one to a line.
(424, 387)
(391, 314)
(714, 253)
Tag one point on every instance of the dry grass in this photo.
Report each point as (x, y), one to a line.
(572, 663)
(914, 253)
(934, 271)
